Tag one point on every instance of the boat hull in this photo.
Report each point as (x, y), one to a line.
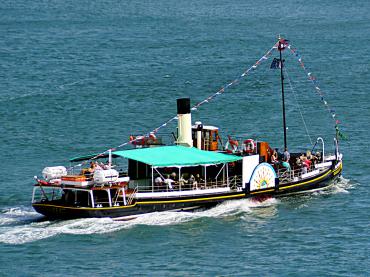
(57, 210)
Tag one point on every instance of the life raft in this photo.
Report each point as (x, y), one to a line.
(139, 140)
(231, 145)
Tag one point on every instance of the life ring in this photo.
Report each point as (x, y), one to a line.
(249, 146)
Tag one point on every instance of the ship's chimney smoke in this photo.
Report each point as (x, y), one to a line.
(184, 122)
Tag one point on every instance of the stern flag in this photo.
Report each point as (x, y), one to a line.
(276, 63)
(340, 134)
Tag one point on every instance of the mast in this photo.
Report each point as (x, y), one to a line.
(280, 48)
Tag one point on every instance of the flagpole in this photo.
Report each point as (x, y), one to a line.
(282, 90)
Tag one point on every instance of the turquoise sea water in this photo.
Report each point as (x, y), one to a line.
(80, 76)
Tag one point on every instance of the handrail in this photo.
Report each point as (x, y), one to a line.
(233, 182)
(286, 175)
(323, 148)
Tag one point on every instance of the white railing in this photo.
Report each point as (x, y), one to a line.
(232, 182)
(296, 174)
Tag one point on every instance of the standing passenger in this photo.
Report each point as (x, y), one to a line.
(286, 155)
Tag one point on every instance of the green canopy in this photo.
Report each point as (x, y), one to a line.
(165, 156)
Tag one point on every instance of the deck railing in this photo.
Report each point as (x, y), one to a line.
(294, 174)
(132, 196)
(233, 182)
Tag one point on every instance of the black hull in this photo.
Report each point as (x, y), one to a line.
(56, 210)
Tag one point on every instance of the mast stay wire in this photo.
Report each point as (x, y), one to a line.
(297, 104)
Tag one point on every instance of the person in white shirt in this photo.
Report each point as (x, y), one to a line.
(169, 182)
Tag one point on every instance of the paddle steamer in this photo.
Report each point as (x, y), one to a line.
(196, 172)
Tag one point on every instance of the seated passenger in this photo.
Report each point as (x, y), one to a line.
(306, 164)
(182, 181)
(274, 158)
(173, 176)
(316, 158)
(309, 155)
(158, 182)
(97, 166)
(199, 181)
(192, 182)
(169, 182)
(92, 165)
(104, 166)
(303, 164)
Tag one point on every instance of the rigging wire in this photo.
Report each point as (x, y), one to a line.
(298, 106)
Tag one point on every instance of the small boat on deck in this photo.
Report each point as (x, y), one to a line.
(197, 172)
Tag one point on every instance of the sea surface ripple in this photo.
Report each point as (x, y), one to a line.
(79, 77)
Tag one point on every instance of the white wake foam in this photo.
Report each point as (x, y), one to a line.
(342, 186)
(13, 233)
(16, 215)
(22, 225)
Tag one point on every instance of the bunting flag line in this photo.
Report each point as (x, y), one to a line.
(196, 106)
(280, 44)
(318, 90)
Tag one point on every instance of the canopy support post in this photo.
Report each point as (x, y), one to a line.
(124, 196)
(109, 198)
(179, 178)
(227, 174)
(152, 179)
(205, 176)
(92, 199)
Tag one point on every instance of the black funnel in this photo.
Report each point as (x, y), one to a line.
(183, 105)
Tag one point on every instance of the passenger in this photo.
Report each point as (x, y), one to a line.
(286, 165)
(182, 181)
(98, 166)
(309, 155)
(298, 162)
(104, 166)
(316, 158)
(92, 167)
(173, 176)
(274, 158)
(199, 181)
(306, 164)
(193, 183)
(88, 172)
(169, 182)
(158, 182)
(286, 155)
